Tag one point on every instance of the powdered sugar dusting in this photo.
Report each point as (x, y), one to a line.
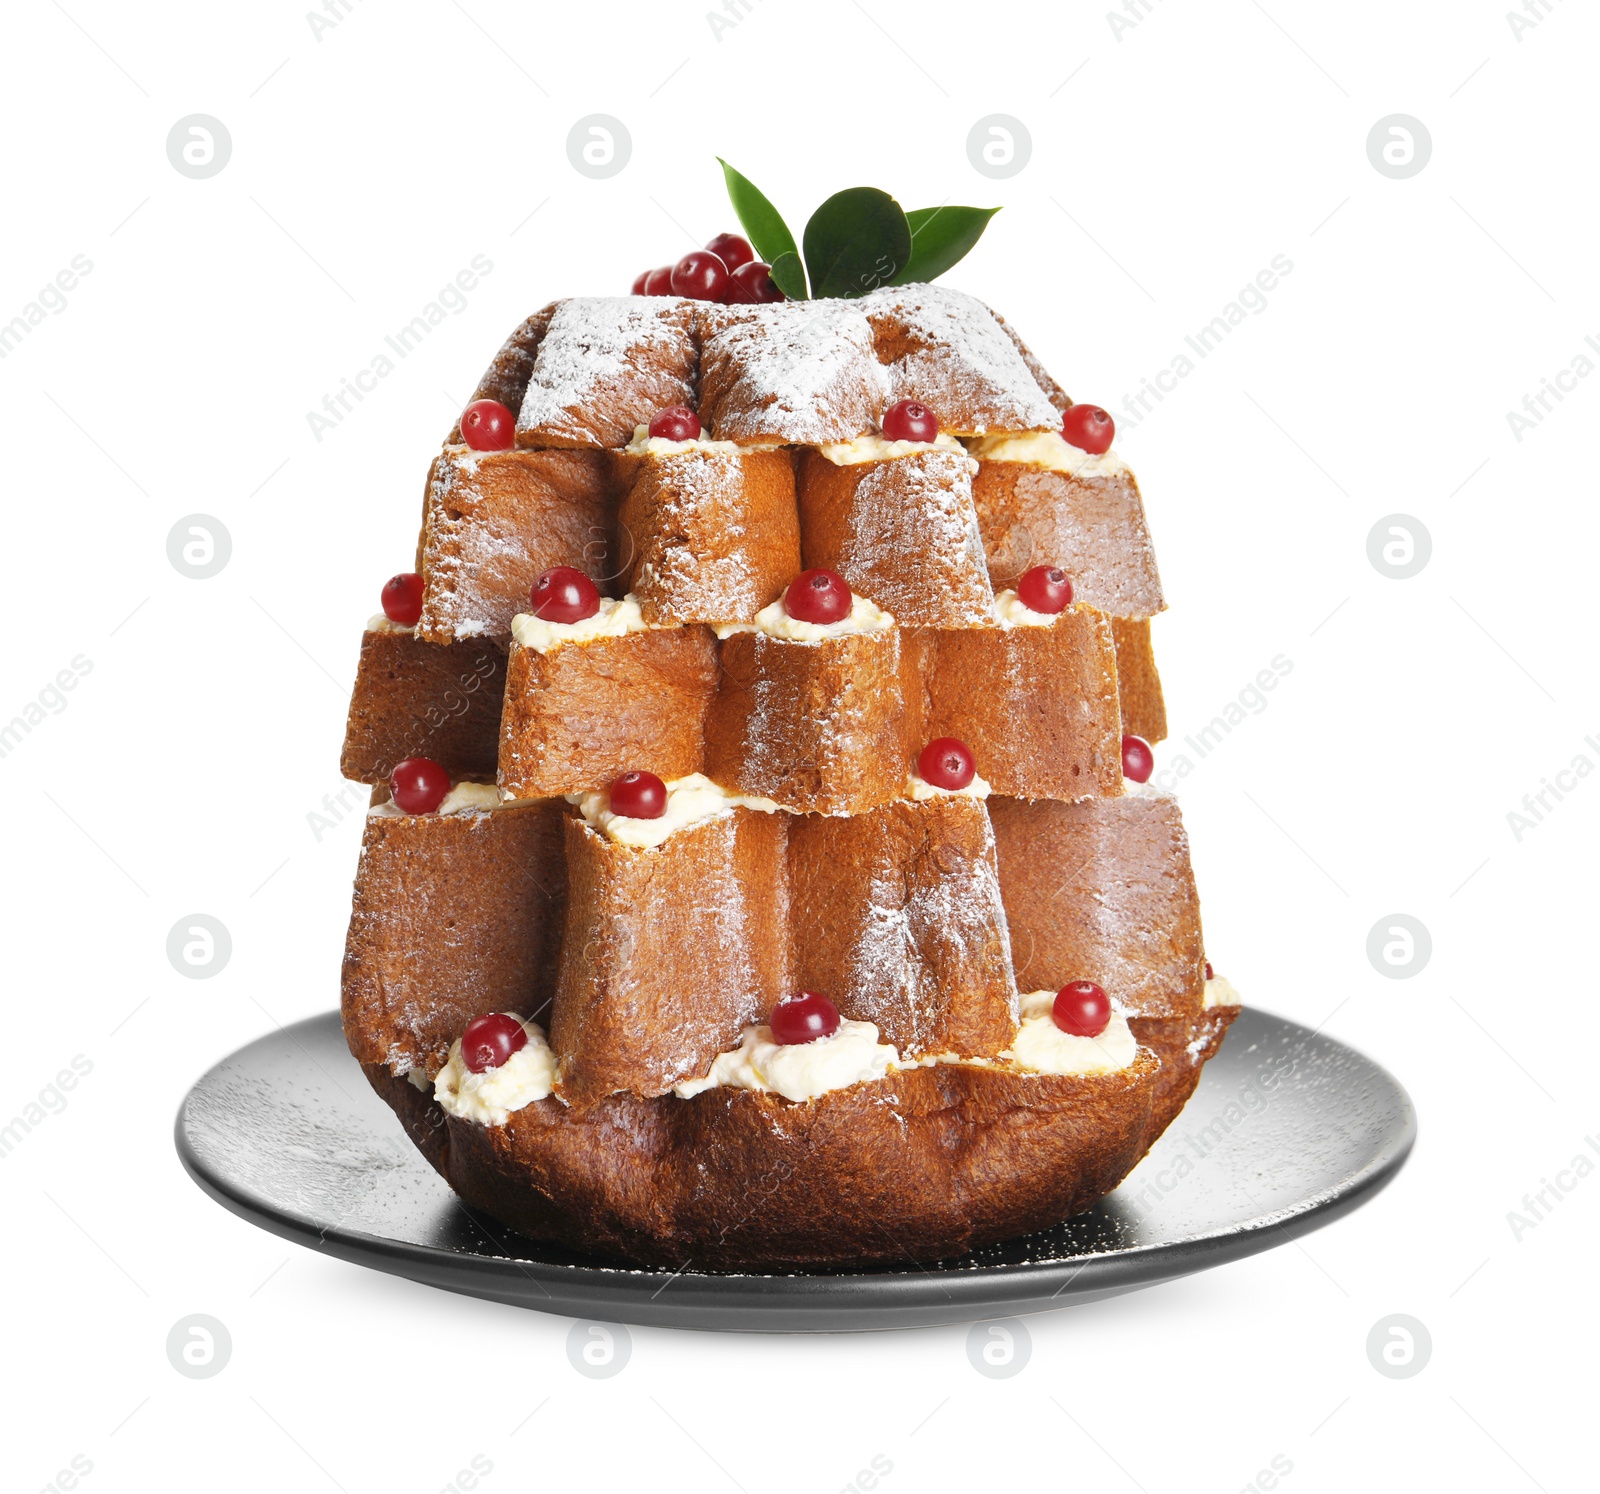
(802, 371)
(923, 942)
(605, 363)
(919, 506)
(952, 353)
(700, 562)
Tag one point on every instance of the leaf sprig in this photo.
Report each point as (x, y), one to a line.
(858, 240)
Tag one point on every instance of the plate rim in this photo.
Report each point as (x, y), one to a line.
(622, 1293)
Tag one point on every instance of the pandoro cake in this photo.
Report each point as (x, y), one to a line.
(762, 870)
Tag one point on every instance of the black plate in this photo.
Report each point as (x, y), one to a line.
(1287, 1131)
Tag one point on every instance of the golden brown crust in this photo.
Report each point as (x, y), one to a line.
(606, 365)
(897, 913)
(1037, 705)
(1093, 528)
(585, 713)
(1184, 1045)
(952, 353)
(902, 532)
(711, 536)
(424, 699)
(926, 1164)
(453, 916)
(1102, 890)
(493, 521)
(823, 728)
(668, 952)
(797, 372)
(1144, 705)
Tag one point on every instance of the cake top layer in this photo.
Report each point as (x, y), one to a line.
(587, 370)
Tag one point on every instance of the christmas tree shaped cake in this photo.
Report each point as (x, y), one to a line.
(762, 867)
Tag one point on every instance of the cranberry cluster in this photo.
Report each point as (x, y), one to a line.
(725, 270)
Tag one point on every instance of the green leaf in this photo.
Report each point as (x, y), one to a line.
(856, 241)
(940, 237)
(789, 275)
(769, 234)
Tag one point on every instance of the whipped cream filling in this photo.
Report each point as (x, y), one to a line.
(490, 1097)
(381, 623)
(690, 801)
(797, 1071)
(613, 620)
(1220, 992)
(775, 622)
(875, 448)
(1045, 1049)
(919, 789)
(1010, 611)
(1046, 449)
(644, 444)
(463, 798)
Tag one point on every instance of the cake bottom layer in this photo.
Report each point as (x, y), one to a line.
(922, 1165)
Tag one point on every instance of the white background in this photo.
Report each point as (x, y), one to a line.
(1168, 166)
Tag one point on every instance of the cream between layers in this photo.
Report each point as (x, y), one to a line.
(644, 444)
(1043, 1047)
(490, 1097)
(382, 623)
(774, 620)
(1045, 449)
(797, 1071)
(1010, 611)
(689, 801)
(875, 448)
(463, 798)
(919, 789)
(613, 620)
(1220, 992)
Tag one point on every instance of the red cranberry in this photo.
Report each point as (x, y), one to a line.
(803, 1018)
(1081, 1009)
(910, 420)
(818, 597)
(659, 282)
(753, 283)
(564, 594)
(402, 598)
(1210, 973)
(1046, 588)
(640, 281)
(486, 425)
(946, 763)
(490, 1040)
(1138, 761)
(418, 785)
(735, 252)
(676, 423)
(1089, 428)
(639, 796)
(701, 276)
